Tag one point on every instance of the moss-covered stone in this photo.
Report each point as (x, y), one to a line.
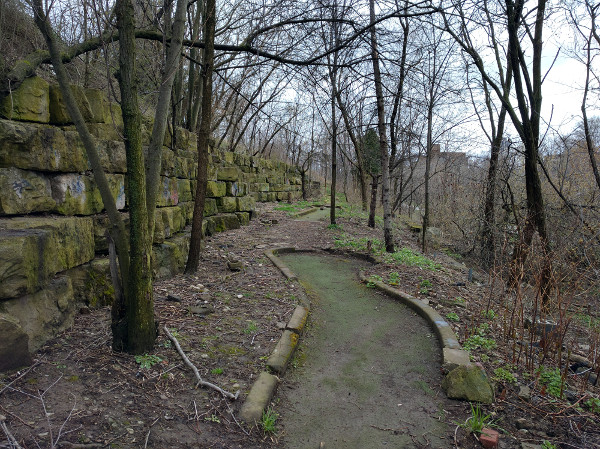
(168, 221)
(231, 221)
(45, 313)
(241, 160)
(237, 189)
(227, 204)
(34, 249)
(228, 174)
(112, 156)
(168, 195)
(169, 257)
(29, 103)
(14, 344)
(113, 115)
(100, 226)
(228, 157)
(215, 189)
(58, 109)
(245, 204)
(23, 192)
(184, 189)
(469, 383)
(244, 218)
(210, 207)
(77, 194)
(106, 131)
(92, 284)
(98, 104)
(32, 146)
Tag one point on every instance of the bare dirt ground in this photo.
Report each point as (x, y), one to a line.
(80, 394)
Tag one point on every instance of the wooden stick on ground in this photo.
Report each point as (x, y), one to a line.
(201, 382)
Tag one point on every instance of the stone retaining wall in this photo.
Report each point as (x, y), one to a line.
(52, 227)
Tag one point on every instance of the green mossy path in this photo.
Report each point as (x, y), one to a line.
(316, 215)
(370, 370)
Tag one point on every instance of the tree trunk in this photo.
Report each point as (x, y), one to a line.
(373, 207)
(203, 137)
(139, 304)
(428, 156)
(383, 144)
(154, 159)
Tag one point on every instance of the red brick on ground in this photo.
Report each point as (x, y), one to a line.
(489, 438)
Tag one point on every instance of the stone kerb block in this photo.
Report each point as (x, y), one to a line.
(29, 103)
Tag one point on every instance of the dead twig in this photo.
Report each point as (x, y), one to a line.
(150, 430)
(20, 376)
(200, 382)
(12, 441)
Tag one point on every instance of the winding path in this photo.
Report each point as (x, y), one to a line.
(370, 367)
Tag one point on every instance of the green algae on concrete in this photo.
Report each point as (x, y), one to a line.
(316, 215)
(364, 355)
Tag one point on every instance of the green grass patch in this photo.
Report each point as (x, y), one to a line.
(406, 256)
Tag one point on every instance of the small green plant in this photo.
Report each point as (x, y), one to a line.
(335, 226)
(459, 300)
(593, 404)
(405, 256)
(251, 328)
(268, 420)
(452, 254)
(551, 380)
(504, 375)
(452, 317)
(372, 279)
(478, 420)
(216, 371)
(212, 418)
(477, 341)
(147, 361)
(424, 286)
(394, 278)
(483, 329)
(489, 314)
(548, 445)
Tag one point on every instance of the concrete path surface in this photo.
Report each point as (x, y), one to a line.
(369, 371)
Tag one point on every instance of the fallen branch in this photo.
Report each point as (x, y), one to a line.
(12, 441)
(195, 370)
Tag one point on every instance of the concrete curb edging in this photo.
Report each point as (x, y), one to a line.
(305, 212)
(264, 387)
(259, 397)
(279, 263)
(453, 355)
(455, 361)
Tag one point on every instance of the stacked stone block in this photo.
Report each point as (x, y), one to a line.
(52, 226)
